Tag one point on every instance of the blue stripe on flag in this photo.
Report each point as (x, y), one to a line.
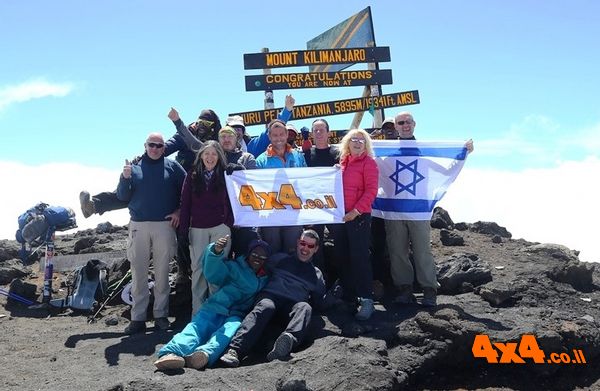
(451, 153)
(403, 205)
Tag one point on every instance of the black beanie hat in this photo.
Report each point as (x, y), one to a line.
(210, 115)
(259, 243)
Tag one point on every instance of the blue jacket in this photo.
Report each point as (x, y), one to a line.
(295, 280)
(238, 283)
(268, 159)
(154, 189)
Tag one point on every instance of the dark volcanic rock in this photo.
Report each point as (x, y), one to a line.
(489, 228)
(496, 239)
(9, 249)
(449, 238)
(441, 219)
(11, 269)
(461, 226)
(462, 268)
(577, 274)
(84, 243)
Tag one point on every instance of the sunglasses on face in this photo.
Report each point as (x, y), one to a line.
(306, 244)
(261, 257)
(358, 140)
(155, 145)
(205, 123)
(409, 122)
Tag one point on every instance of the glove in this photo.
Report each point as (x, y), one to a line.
(304, 132)
(231, 167)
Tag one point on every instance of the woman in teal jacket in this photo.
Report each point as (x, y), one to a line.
(205, 338)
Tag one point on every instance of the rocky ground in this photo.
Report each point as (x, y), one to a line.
(491, 285)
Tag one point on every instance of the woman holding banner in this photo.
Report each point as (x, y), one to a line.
(205, 212)
(360, 178)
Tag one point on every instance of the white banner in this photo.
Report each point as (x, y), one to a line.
(286, 196)
(414, 176)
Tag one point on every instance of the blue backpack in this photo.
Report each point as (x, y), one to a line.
(37, 222)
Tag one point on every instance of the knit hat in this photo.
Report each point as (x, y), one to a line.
(210, 115)
(228, 130)
(259, 243)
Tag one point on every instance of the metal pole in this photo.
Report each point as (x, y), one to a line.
(49, 267)
(269, 100)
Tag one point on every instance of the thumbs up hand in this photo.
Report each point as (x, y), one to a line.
(127, 169)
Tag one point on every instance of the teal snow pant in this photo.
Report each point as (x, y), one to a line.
(208, 332)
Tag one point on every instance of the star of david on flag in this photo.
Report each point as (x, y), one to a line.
(414, 176)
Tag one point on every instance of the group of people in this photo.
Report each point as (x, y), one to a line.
(242, 277)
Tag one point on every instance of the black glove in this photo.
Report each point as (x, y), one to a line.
(231, 167)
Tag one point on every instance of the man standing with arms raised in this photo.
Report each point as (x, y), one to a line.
(405, 235)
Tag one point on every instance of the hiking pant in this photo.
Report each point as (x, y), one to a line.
(107, 201)
(199, 240)
(403, 235)
(208, 332)
(352, 256)
(268, 305)
(157, 238)
(281, 239)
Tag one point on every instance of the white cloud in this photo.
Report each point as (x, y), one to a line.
(33, 89)
(551, 205)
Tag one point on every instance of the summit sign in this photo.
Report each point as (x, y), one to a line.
(298, 58)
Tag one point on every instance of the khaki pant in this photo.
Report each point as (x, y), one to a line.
(157, 238)
(402, 235)
(199, 239)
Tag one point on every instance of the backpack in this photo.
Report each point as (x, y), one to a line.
(89, 287)
(36, 222)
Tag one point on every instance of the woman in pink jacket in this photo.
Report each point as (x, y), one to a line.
(360, 178)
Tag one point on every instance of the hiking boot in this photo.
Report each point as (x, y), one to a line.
(87, 204)
(161, 324)
(196, 360)
(169, 361)
(134, 327)
(429, 297)
(230, 358)
(282, 347)
(365, 309)
(406, 295)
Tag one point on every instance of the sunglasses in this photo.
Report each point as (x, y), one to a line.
(358, 140)
(404, 122)
(261, 257)
(155, 145)
(205, 123)
(306, 244)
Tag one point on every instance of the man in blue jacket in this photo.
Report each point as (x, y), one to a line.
(205, 338)
(294, 281)
(152, 190)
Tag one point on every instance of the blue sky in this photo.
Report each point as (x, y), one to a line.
(83, 83)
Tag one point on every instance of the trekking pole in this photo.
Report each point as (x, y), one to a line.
(111, 296)
(49, 267)
(15, 297)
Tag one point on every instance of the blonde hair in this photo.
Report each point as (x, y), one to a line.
(345, 143)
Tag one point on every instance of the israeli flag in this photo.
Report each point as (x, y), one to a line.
(414, 176)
